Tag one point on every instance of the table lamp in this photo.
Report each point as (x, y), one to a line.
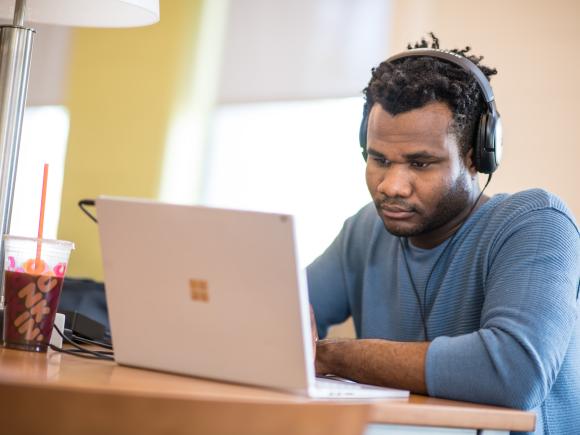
(15, 52)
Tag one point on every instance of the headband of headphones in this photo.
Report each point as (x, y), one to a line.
(458, 60)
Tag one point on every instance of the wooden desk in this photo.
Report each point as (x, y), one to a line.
(60, 394)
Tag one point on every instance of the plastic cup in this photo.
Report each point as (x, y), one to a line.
(32, 290)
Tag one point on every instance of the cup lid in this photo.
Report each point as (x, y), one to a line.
(63, 243)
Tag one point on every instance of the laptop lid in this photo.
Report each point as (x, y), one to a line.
(206, 292)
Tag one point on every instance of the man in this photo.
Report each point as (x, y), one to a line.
(452, 294)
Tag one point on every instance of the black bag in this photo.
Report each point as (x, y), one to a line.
(85, 297)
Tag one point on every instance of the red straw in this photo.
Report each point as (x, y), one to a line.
(41, 220)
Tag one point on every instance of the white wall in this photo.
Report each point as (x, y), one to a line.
(300, 49)
(534, 44)
(49, 66)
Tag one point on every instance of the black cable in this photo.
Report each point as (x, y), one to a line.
(83, 340)
(423, 306)
(91, 203)
(80, 351)
(100, 352)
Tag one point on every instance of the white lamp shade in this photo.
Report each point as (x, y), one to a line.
(86, 13)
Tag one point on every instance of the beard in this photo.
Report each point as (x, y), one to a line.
(450, 205)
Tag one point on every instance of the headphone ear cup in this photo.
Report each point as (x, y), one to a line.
(479, 142)
(362, 134)
(484, 152)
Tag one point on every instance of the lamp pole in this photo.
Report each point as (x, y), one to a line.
(15, 51)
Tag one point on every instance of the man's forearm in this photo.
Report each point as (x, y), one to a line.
(373, 361)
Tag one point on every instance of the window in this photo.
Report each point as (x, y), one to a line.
(301, 158)
(44, 139)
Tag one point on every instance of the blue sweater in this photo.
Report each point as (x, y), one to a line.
(500, 309)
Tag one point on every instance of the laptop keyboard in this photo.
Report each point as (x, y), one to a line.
(336, 383)
(331, 387)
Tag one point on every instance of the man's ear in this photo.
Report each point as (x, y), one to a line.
(470, 163)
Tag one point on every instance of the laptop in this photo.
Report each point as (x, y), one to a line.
(212, 293)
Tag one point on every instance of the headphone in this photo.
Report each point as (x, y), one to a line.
(487, 149)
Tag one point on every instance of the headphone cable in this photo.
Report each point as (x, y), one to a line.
(423, 306)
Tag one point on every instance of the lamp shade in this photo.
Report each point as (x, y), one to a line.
(87, 13)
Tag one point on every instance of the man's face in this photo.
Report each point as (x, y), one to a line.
(419, 182)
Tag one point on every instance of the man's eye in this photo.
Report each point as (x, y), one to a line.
(420, 165)
(380, 161)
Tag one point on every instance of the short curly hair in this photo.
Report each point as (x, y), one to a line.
(410, 83)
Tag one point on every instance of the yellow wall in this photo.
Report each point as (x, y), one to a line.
(124, 86)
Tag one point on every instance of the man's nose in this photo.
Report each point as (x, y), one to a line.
(396, 182)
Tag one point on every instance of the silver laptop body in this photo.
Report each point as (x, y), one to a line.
(212, 293)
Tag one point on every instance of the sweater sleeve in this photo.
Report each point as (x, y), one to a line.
(337, 273)
(528, 316)
(327, 288)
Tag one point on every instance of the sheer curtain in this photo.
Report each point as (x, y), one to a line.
(284, 134)
(300, 158)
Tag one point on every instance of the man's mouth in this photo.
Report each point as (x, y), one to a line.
(396, 212)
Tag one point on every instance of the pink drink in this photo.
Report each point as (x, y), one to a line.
(31, 304)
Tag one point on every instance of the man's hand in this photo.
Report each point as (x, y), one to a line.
(376, 362)
(314, 332)
(325, 359)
